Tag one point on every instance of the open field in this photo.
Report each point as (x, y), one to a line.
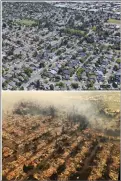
(26, 22)
(45, 141)
(114, 21)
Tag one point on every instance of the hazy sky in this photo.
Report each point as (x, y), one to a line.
(9, 98)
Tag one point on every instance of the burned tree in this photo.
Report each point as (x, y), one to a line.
(28, 168)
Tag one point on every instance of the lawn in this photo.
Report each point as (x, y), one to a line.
(26, 22)
(115, 21)
(74, 31)
(94, 28)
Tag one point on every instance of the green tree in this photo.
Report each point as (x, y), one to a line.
(38, 84)
(21, 88)
(74, 85)
(60, 84)
(35, 54)
(118, 61)
(28, 71)
(51, 87)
